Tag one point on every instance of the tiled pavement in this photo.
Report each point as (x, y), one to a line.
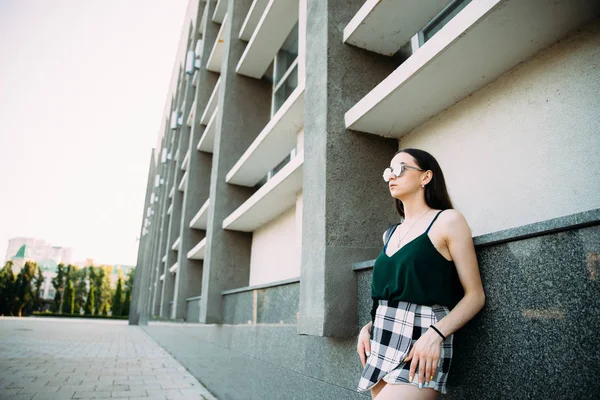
(56, 359)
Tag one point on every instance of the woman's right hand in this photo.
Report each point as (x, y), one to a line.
(363, 347)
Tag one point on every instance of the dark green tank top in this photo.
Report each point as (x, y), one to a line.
(416, 273)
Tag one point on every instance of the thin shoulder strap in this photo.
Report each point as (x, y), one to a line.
(434, 218)
(389, 233)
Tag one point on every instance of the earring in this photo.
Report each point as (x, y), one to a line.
(423, 186)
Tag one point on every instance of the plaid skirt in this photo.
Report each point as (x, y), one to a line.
(397, 327)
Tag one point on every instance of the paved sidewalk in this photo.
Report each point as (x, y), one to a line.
(56, 359)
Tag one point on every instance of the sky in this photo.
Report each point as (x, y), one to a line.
(83, 86)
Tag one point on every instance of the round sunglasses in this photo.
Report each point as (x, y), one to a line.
(397, 170)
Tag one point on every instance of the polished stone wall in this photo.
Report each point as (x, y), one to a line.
(535, 338)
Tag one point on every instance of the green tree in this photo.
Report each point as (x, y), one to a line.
(104, 292)
(80, 289)
(128, 292)
(69, 301)
(7, 289)
(89, 303)
(105, 307)
(117, 304)
(24, 289)
(38, 282)
(58, 282)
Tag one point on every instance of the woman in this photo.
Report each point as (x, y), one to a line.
(427, 267)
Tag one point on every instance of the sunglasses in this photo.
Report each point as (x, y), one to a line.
(397, 170)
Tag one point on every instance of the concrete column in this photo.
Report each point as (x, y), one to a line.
(183, 274)
(173, 227)
(168, 171)
(189, 279)
(346, 206)
(143, 268)
(244, 105)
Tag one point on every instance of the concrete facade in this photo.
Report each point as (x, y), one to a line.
(270, 272)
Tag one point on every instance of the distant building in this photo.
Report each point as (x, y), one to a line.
(48, 266)
(38, 250)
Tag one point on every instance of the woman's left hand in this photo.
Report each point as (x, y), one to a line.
(425, 354)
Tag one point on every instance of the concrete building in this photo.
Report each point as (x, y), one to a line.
(265, 204)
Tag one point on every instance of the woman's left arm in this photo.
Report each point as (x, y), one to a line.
(460, 244)
(426, 351)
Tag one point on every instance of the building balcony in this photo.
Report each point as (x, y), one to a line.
(162, 277)
(270, 201)
(220, 11)
(176, 244)
(213, 101)
(197, 253)
(385, 26)
(170, 209)
(252, 18)
(207, 141)
(276, 23)
(190, 118)
(216, 54)
(186, 161)
(195, 78)
(181, 186)
(172, 192)
(483, 41)
(164, 259)
(203, 19)
(272, 144)
(200, 220)
(174, 268)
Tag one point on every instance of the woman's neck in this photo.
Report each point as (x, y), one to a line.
(414, 207)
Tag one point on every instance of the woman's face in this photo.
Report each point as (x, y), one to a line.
(410, 179)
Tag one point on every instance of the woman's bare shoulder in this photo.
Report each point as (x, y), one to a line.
(451, 220)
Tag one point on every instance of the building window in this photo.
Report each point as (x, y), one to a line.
(277, 168)
(441, 20)
(285, 70)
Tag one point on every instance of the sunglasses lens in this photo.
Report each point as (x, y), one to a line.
(387, 174)
(398, 169)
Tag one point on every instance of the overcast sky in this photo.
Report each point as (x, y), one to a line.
(82, 90)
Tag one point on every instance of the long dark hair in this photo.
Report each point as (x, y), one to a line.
(436, 194)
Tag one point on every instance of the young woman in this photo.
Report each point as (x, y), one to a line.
(427, 267)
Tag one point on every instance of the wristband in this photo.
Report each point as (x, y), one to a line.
(438, 332)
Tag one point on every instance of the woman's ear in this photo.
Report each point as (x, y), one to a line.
(427, 177)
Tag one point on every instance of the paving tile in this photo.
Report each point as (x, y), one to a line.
(129, 393)
(60, 359)
(92, 394)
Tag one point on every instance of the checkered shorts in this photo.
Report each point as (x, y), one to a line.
(397, 327)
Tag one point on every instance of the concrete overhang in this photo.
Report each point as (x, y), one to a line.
(176, 243)
(212, 103)
(181, 186)
(272, 144)
(384, 26)
(174, 268)
(270, 201)
(200, 220)
(207, 141)
(220, 11)
(252, 18)
(274, 26)
(480, 43)
(216, 54)
(197, 253)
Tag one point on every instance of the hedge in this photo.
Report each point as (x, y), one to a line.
(56, 315)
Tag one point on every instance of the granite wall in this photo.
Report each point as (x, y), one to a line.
(536, 337)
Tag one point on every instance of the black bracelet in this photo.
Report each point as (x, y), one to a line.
(437, 330)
